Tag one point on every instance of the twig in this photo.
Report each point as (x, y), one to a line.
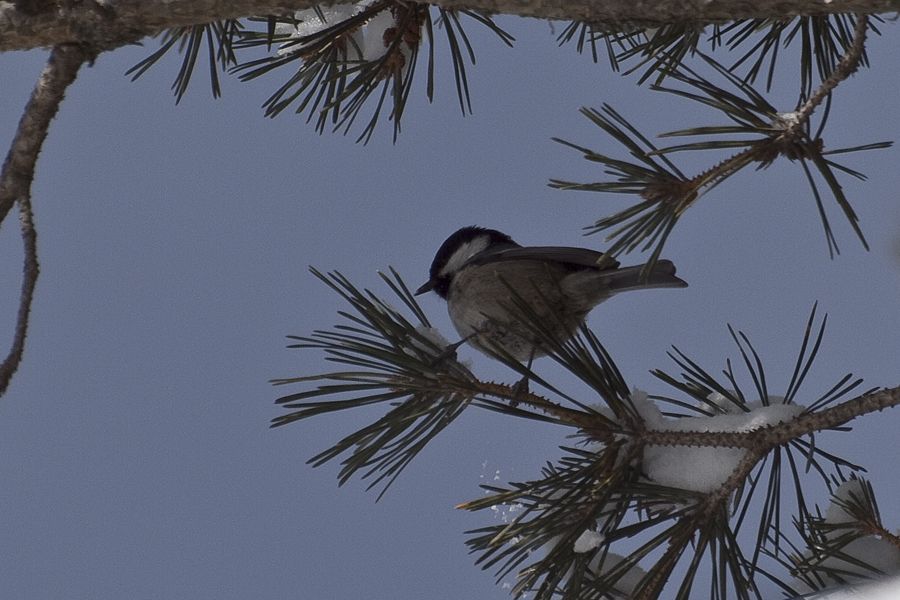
(847, 66)
(564, 415)
(687, 192)
(18, 174)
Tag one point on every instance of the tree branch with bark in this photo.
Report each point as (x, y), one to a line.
(112, 23)
(18, 174)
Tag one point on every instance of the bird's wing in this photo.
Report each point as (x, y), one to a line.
(573, 257)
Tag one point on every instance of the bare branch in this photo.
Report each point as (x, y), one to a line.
(18, 173)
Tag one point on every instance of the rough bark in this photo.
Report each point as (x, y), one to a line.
(106, 24)
(18, 173)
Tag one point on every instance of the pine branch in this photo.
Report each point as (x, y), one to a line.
(18, 173)
(766, 438)
(615, 477)
(662, 50)
(822, 41)
(666, 193)
(689, 524)
(845, 546)
(361, 57)
(187, 41)
(390, 359)
(402, 362)
(847, 66)
(115, 23)
(513, 397)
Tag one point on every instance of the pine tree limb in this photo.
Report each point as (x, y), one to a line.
(18, 174)
(766, 438)
(847, 66)
(113, 23)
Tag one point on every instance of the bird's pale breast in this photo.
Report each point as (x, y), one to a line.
(479, 303)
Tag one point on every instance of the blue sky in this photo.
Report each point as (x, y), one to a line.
(135, 453)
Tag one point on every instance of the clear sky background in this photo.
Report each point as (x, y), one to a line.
(135, 455)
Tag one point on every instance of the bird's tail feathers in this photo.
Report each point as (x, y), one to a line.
(629, 278)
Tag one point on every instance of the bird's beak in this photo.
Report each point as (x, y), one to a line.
(426, 287)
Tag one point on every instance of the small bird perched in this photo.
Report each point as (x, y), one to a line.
(475, 270)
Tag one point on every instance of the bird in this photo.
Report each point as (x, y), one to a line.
(482, 273)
